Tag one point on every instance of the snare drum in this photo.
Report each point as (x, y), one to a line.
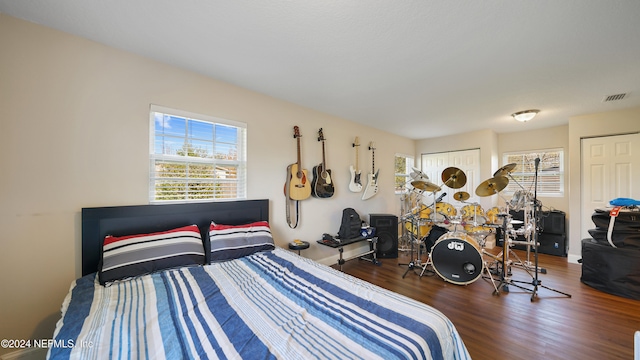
(457, 258)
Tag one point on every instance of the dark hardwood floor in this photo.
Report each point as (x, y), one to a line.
(588, 325)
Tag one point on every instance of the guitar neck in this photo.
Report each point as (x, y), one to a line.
(299, 174)
(324, 164)
(373, 157)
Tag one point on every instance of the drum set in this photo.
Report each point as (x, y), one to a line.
(455, 237)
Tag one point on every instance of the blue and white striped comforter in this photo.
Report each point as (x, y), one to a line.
(272, 304)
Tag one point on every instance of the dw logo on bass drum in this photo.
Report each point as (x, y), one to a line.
(456, 246)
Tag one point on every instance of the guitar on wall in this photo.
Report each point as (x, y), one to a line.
(355, 185)
(297, 185)
(321, 184)
(372, 184)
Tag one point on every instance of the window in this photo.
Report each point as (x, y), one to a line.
(403, 166)
(550, 172)
(195, 157)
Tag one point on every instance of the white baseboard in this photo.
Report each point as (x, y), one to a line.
(26, 354)
(573, 259)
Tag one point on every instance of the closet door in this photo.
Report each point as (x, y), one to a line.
(466, 160)
(610, 169)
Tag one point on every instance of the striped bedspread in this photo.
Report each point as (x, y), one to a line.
(269, 305)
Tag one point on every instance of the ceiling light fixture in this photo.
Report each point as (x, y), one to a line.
(524, 116)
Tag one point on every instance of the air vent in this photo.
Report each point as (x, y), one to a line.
(614, 97)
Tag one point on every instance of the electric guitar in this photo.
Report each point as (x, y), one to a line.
(297, 183)
(355, 185)
(372, 184)
(321, 184)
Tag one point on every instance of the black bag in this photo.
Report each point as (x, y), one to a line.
(351, 224)
(626, 228)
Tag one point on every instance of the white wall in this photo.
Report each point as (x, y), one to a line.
(74, 123)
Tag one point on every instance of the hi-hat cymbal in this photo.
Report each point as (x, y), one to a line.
(418, 175)
(454, 177)
(425, 185)
(492, 186)
(505, 170)
(461, 196)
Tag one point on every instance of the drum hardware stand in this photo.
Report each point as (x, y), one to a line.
(525, 265)
(413, 264)
(505, 277)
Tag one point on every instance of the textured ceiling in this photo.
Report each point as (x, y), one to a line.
(419, 69)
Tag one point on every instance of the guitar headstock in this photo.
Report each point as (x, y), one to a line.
(320, 135)
(356, 142)
(296, 132)
(372, 145)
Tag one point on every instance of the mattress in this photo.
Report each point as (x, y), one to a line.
(269, 305)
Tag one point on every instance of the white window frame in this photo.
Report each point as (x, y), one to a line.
(548, 169)
(410, 163)
(233, 189)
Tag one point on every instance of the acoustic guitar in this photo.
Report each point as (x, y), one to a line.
(321, 185)
(355, 185)
(372, 184)
(297, 180)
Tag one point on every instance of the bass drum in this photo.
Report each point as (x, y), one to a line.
(456, 257)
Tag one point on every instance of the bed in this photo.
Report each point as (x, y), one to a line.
(265, 303)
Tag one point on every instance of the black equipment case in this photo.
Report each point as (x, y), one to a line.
(626, 227)
(612, 270)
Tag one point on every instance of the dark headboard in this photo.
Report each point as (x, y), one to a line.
(125, 220)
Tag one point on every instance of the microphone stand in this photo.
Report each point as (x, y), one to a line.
(535, 281)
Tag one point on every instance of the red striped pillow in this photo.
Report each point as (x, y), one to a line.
(133, 255)
(234, 241)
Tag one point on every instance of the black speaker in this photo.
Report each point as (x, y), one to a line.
(387, 232)
(553, 244)
(553, 222)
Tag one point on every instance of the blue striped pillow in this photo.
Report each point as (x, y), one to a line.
(133, 255)
(234, 241)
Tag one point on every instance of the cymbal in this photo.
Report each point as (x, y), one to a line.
(425, 185)
(505, 170)
(418, 175)
(492, 186)
(454, 177)
(461, 196)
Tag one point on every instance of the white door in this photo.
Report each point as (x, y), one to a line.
(610, 167)
(466, 160)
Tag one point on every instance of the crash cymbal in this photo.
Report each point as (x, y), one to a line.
(461, 196)
(425, 185)
(505, 170)
(418, 175)
(492, 186)
(454, 177)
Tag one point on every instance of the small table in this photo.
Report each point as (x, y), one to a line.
(373, 248)
(299, 246)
